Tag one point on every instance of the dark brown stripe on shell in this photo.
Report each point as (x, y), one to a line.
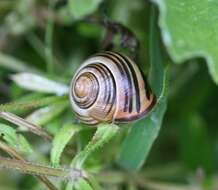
(135, 79)
(127, 86)
(113, 89)
(140, 115)
(104, 75)
(128, 74)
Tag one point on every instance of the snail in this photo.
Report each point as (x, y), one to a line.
(108, 87)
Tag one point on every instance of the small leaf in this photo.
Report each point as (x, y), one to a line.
(195, 35)
(15, 140)
(82, 184)
(23, 144)
(103, 134)
(81, 8)
(39, 83)
(8, 134)
(60, 141)
(94, 182)
(143, 133)
(43, 115)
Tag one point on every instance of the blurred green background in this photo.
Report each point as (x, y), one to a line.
(53, 37)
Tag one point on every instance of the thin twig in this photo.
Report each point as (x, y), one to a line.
(24, 123)
(13, 153)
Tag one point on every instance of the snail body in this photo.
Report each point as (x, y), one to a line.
(108, 87)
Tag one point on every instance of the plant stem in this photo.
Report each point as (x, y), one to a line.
(23, 123)
(39, 170)
(13, 153)
(30, 168)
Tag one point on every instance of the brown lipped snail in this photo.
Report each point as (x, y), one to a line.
(109, 87)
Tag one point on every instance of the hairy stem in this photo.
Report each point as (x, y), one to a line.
(13, 153)
(30, 168)
(39, 170)
(23, 123)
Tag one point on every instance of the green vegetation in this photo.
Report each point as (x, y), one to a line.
(42, 143)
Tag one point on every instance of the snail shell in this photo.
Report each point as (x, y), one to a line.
(108, 87)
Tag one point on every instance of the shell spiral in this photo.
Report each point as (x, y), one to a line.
(108, 87)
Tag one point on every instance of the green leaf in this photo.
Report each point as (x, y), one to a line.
(39, 83)
(94, 182)
(143, 133)
(8, 134)
(81, 8)
(190, 29)
(82, 184)
(60, 141)
(43, 115)
(15, 140)
(23, 144)
(103, 134)
(156, 75)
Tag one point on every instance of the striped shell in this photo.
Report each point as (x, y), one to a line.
(108, 87)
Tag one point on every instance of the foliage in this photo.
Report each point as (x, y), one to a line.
(42, 43)
(185, 42)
